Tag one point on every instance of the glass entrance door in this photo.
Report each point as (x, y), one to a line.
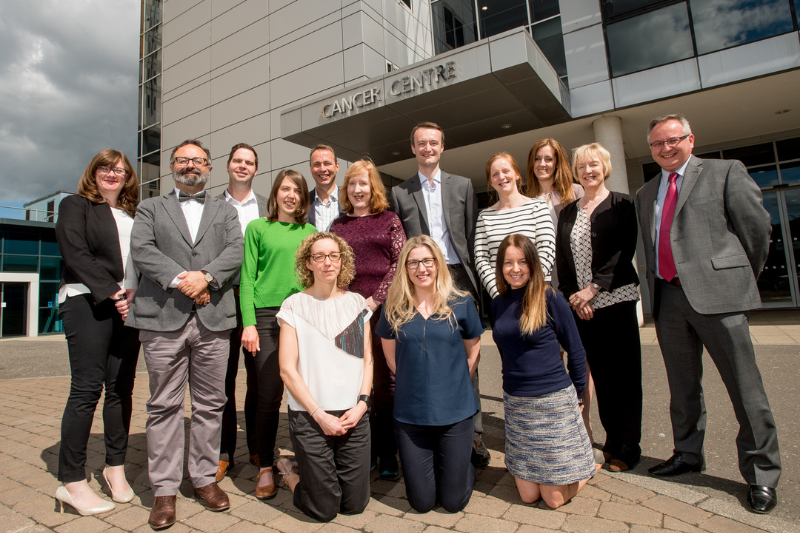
(13, 309)
(778, 283)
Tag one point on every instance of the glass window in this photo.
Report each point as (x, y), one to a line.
(152, 101)
(797, 11)
(150, 167)
(21, 242)
(407, 3)
(49, 320)
(151, 189)
(788, 149)
(650, 40)
(20, 263)
(758, 154)
(710, 155)
(765, 176)
(790, 173)
(720, 25)
(613, 8)
(49, 244)
(151, 66)
(544, 9)
(651, 170)
(151, 139)
(151, 13)
(497, 16)
(549, 39)
(50, 268)
(48, 294)
(151, 41)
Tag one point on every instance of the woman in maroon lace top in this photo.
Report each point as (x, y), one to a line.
(376, 237)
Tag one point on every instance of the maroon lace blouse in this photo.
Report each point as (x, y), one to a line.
(376, 241)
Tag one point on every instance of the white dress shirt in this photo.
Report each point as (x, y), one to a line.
(662, 195)
(247, 210)
(193, 211)
(438, 225)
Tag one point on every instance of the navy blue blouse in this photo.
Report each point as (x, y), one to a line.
(532, 363)
(432, 385)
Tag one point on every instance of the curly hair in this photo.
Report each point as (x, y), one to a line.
(377, 201)
(303, 255)
(128, 196)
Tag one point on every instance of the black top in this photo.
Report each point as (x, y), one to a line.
(89, 242)
(614, 232)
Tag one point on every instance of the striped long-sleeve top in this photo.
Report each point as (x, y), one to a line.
(531, 219)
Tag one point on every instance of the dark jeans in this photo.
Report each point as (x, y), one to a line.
(270, 384)
(334, 471)
(381, 417)
(436, 464)
(229, 419)
(614, 353)
(102, 352)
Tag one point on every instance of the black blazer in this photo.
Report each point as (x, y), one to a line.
(89, 242)
(614, 233)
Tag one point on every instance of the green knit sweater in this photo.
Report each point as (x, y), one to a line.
(268, 276)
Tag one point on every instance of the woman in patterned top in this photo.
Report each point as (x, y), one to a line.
(513, 213)
(595, 243)
(326, 364)
(376, 237)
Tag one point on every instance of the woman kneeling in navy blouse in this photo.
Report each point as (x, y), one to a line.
(547, 449)
(430, 333)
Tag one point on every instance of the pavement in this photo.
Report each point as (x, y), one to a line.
(34, 385)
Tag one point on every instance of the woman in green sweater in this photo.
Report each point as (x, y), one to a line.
(268, 278)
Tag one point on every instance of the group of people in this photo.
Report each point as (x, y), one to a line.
(364, 305)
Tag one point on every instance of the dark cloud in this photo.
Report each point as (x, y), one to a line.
(68, 89)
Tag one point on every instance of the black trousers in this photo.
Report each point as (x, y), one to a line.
(436, 464)
(381, 416)
(270, 384)
(614, 353)
(229, 418)
(102, 352)
(334, 471)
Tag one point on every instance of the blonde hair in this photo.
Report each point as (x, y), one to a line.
(377, 201)
(582, 153)
(347, 270)
(399, 305)
(128, 196)
(562, 175)
(513, 162)
(534, 303)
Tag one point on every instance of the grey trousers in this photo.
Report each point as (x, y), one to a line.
(682, 332)
(199, 357)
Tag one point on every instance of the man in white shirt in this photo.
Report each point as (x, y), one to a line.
(324, 206)
(188, 247)
(242, 168)
(444, 207)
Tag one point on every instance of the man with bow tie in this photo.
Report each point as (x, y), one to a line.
(188, 247)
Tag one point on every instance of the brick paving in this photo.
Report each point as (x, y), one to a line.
(30, 418)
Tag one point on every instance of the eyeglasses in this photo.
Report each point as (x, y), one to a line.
(183, 161)
(116, 170)
(672, 143)
(335, 257)
(428, 262)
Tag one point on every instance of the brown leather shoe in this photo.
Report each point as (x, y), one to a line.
(213, 497)
(222, 469)
(266, 492)
(162, 514)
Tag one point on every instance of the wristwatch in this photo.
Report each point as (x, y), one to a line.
(597, 287)
(209, 278)
(366, 398)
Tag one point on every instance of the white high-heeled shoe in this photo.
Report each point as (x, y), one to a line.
(63, 496)
(119, 497)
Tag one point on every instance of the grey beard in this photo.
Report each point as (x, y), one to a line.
(191, 180)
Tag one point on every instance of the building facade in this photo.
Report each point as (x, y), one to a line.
(498, 75)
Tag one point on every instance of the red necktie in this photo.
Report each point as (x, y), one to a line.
(666, 263)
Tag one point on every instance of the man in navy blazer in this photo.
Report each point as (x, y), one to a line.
(324, 207)
(706, 239)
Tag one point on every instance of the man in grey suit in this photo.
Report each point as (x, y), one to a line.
(242, 168)
(706, 238)
(323, 207)
(444, 207)
(188, 248)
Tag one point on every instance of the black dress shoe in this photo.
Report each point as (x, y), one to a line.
(674, 466)
(762, 499)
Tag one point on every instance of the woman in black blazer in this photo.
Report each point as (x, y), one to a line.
(97, 287)
(595, 243)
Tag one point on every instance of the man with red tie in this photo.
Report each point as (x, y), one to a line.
(706, 239)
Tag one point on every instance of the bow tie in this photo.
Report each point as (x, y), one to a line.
(185, 196)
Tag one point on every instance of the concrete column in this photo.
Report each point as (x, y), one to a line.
(608, 132)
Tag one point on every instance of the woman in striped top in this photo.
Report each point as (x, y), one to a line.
(513, 213)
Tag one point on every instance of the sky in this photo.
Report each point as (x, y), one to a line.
(68, 89)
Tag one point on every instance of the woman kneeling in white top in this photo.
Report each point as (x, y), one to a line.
(326, 364)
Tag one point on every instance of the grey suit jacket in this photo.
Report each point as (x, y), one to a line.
(460, 214)
(162, 248)
(720, 235)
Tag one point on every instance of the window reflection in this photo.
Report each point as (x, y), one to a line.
(613, 8)
(789, 148)
(20, 263)
(497, 16)
(151, 66)
(544, 9)
(454, 24)
(549, 39)
(151, 101)
(765, 176)
(720, 24)
(773, 283)
(151, 13)
(650, 40)
(151, 41)
(790, 173)
(757, 154)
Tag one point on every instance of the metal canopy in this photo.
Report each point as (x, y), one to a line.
(489, 89)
